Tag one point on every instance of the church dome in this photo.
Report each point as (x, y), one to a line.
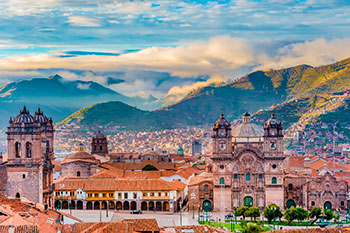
(24, 116)
(222, 123)
(246, 129)
(40, 117)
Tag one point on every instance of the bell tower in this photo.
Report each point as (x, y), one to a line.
(222, 138)
(99, 144)
(274, 161)
(30, 154)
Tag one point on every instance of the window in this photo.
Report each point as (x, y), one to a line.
(206, 188)
(119, 196)
(126, 195)
(312, 203)
(144, 194)
(222, 166)
(100, 147)
(274, 166)
(24, 176)
(247, 177)
(222, 145)
(342, 204)
(95, 148)
(273, 145)
(222, 180)
(166, 194)
(290, 187)
(72, 194)
(18, 149)
(152, 194)
(260, 176)
(159, 194)
(78, 173)
(96, 194)
(111, 194)
(103, 195)
(235, 176)
(274, 180)
(28, 150)
(135, 195)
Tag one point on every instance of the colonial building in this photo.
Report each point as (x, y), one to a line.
(29, 167)
(119, 194)
(99, 144)
(247, 164)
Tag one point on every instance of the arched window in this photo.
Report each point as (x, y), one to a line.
(28, 150)
(260, 176)
(206, 188)
(95, 147)
(18, 149)
(100, 147)
(235, 176)
(312, 203)
(78, 173)
(274, 180)
(222, 180)
(290, 187)
(247, 177)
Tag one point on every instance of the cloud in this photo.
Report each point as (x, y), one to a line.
(84, 21)
(84, 86)
(172, 72)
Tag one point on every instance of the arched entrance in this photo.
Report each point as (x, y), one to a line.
(57, 204)
(104, 205)
(206, 205)
(65, 205)
(72, 205)
(151, 205)
(79, 205)
(119, 205)
(143, 205)
(96, 205)
(290, 203)
(158, 206)
(133, 205)
(89, 205)
(126, 205)
(166, 206)
(248, 201)
(18, 195)
(327, 205)
(111, 205)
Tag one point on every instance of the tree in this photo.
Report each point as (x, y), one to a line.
(272, 211)
(329, 215)
(252, 212)
(241, 211)
(290, 214)
(149, 167)
(250, 227)
(315, 213)
(302, 213)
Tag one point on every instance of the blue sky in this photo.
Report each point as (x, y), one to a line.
(188, 40)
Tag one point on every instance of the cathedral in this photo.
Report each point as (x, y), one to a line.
(29, 168)
(247, 164)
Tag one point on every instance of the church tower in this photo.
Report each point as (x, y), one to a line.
(99, 144)
(222, 154)
(30, 154)
(274, 158)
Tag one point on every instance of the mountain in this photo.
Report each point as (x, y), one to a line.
(56, 96)
(257, 91)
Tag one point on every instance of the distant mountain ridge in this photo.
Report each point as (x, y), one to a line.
(251, 93)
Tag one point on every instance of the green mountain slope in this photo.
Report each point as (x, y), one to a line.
(293, 92)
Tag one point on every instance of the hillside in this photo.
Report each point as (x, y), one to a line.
(293, 92)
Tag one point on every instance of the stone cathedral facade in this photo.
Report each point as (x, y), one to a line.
(247, 164)
(30, 140)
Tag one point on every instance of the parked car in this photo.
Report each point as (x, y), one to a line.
(136, 212)
(229, 215)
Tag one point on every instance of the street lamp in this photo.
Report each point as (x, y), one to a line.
(180, 215)
(193, 197)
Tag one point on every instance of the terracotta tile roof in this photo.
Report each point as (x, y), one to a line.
(90, 184)
(296, 161)
(196, 229)
(81, 156)
(139, 166)
(201, 178)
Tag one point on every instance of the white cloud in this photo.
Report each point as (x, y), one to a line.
(84, 21)
(83, 86)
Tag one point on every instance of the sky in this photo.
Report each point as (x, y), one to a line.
(166, 48)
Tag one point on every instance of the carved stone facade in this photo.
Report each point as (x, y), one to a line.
(30, 152)
(247, 164)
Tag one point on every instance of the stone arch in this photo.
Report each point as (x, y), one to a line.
(111, 205)
(89, 205)
(18, 149)
(165, 206)
(143, 205)
(158, 206)
(290, 203)
(65, 205)
(119, 205)
(18, 195)
(207, 205)
(248, 201)
(126, 205)
(97, 205)
(151, 205)
(79, 205)
(28, 150)
(78, 174)
(103, 205)
(133, 205)
(72, 204)
(327, 205)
